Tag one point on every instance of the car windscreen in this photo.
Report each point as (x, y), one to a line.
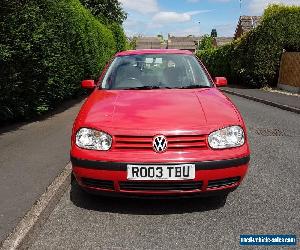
(148, 71)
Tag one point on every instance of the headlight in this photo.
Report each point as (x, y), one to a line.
(228, 137)
(93, 139)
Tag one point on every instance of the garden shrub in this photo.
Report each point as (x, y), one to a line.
(119, 36)
(46, 48)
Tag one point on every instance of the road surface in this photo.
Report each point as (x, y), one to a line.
(266, 203)
(32, 155)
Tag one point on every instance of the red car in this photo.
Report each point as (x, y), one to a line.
(155, 124)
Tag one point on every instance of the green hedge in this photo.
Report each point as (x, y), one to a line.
(46, 48)
(254, 59)
(119, 36)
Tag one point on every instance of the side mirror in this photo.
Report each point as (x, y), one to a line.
(220, 81)
(88, 84)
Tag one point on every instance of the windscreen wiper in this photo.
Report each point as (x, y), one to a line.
(144, 87)
(193, 86)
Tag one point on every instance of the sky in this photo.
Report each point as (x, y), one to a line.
(182, 17)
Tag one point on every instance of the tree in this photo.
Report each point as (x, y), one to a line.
(206, 43)
(108, 11)
(132, 42)
(161, 38)
(213, 33)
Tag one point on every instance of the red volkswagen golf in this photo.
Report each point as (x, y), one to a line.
(156, 124)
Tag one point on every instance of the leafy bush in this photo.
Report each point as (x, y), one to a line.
(111, 14)
(119, 36)
(206, 43)
(254, 58)
(46, 48)
(108, 11)
(131, 44)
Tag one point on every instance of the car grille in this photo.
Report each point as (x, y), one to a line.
(98, 183)
(175, 142)
(223, 182)
(160, 186)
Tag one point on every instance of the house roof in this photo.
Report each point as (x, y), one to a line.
(220, 41)
(148, 43)
(188, 43)
(153, 51)
(247, 23)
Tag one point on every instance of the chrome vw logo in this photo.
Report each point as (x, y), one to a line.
(160, 143)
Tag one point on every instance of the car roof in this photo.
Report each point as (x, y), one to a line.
(153, 51)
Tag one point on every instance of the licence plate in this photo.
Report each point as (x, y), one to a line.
(161, 172)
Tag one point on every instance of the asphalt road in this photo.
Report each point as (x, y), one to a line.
(31, 156)
(266, 203)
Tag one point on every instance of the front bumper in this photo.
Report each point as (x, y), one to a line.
(111, 177)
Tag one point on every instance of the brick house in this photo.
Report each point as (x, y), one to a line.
(148, 43)
(184, 43)
(220, 41)
(245, 24)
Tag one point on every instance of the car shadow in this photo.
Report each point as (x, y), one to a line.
(141, 206)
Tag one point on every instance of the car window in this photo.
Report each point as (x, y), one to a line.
(155, 71)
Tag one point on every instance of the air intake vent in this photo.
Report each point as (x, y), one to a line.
(98, 183)
(161, 186)
(175, 142)
(223, 182)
